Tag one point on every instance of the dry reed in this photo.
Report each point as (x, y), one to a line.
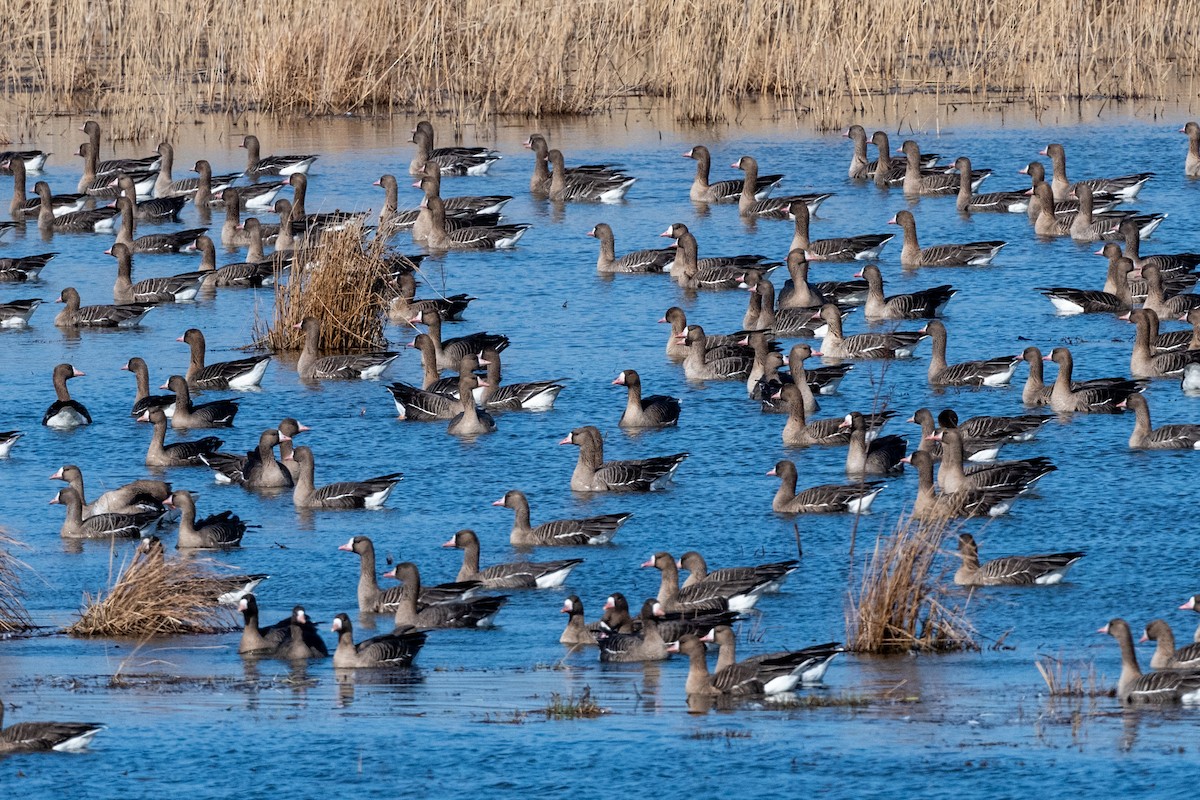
(1070, 678)
(900, 604)
(154, 596)
(340, 283)
(13, 616)
(149, 64)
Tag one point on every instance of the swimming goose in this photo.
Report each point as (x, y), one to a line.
(798, 431)
(108, 525)
(1191, 164)
(16, 313)
(214, 532)
(1156, 299)
(65, 413)
(1146, 360)
(919, 182)
(1152, 688)
(723, 272)
(23, 207)
(472, 237)
(450, 352)
(715, 365)
(977, 448)
(593, 474)
(155, 242)
(1166, 655)
(310, 366)
(396, 649)
(524, 396)
(242, 373)
(186, 453)
(975, 254)
(113, 166)
(723, 191)
(156, 209)
(879, 456)
(1088, 226)
(578, 631)
(31, 737)
(952, 477)
(511, 575)
(207, 190)
(404, 305)
(772, 207)
(1092, 397)
(454, 218)
(677, 350)
(143, 400)
(265, 642)
(858, 159)
(374, 600)
(440, 399)
(1167, 437)
(798, 292)
(303, 640)
(587, 531)
(1169, 264)
(32, 160)
(732, 594)
(449, 160)
(475, 612)
(638, 261)
(7, 440)
(257, 165)
(655, 411)
(370, 493)
(132, 498)
(92, 220)
(258, 468)
(602, 188)
(775, 672)
(1040, 570)
(784, 322)
(991, 372)
(1013, 202)
(471, 420)
(257, 270)
(922, 304)
(1090, 301)
(844, 248)
(1127, 186)
(697, 568)
(217, 414)
(539, 183)
(898, 344)
(929, 505)
(170, 289)
(1017, 429)
(648, 645)
(23, 268)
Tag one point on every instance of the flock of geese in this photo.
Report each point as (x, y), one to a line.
(1144, 289)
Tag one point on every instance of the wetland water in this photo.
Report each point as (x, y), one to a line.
(187, 715)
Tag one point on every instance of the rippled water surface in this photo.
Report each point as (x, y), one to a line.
(188, 715)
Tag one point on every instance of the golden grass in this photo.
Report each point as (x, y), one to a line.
(149, 64)
(1070, 678)
(339, 283)
(154, 596)
(899, 604)
(13, 616)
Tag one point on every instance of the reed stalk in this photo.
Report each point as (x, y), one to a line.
(13, 616)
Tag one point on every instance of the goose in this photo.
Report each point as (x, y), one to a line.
(991, 372)
(1191, 164)
(679, 231)
(470, 420)
(132, 498)
(257, 165)
(1014, 202)
(638, 261)
(525, 396)
(448, 160)
(396, 649)
(1166, 437)
(727, 191)
(180, 288)
(722, 272)
(390, 217)
(144, 401)
(697, 568)
(207, 190)
(172, 242)
(715, 365)
(1092, 397)
(1037, 393)
(268, 642)
(648, 645)
(929, 505)
(797, 291)
(898, 344)
(370, 493)
(603, 188)
(7, 440)
(785, 322)
(94, 220)
(539, 183)
(258, 469)
(74, 315)
(919, 182)
(472, 237)
(310, 366)
(879, 456)
(1126, 186)
(1152, 688)
(16, 313)
(98, 183)
(1101, 201)
(1087, 226)
(859, 169)
(1192, 604)
(922, 304)
(734, 594)
(1088, 301)
(23, 268)
(23, 207)
(1041, 570)
(766, 673)
(1017, 429)
(798, 431)
(655, 411)
(577, 632)
(257, 270)
(1156, 300)
(474, 612)
(977, 449)
(101, 526)
(303, 640)
(772, 207)
(405, 305)
(32, 160)
(156, 209)
(974, 254)
(594, 474)
(677, 350)
(449, 353)
(215, 532)
(65, 413)
(31, 737)
(1172, 264)
(846, 248)
(1147, 360)
(374, 600)
(952, 477)
(113, 166)
(187, 453)
(217, 414)
(242, 373)
(437, 403)
(1166, 655)
(574, 532)
(511, 575)
(453, 219)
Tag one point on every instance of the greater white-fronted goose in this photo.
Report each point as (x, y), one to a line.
(522, 396)
(698, 572)
(771, 207)
(952, 477)
(1191, 164)
(714, 274)
(976, 448)
(268, 642)
(797, 291)
(1166, 655)
(437, 402)
(798, 431)
(844, 248)
(23, 207)
(311, 366)
(304, 641)
(1040, 570)
(93, 220)
(1013, 202)
(471, 420)
(144, 401)
(897, 344)
(858, 159)
(396, 649)
(1166, 437)
(991, 372)
(448, 160)
(648, 645)
(257, 165)
(115, 165)
(1193, 604)
(471, 237)
(32, 160)
(1089, 226)
(1017, 429)
(405, 305)
(566, 532)
(257, 270)
(920, 182)
(132, 498)
(784, 322)
(639, 261)
(1090, 301)
(539, 182)
(655, 411)
(7, 440)
(1169, 264)
(1147, 360)
(923, 304)
(258, 468)
(1099, 396)
(1152, 688)
(65, 413)
(374, 600)
(172, 242)
(453, 218)
(156, 209)
(101, 526)
(879, 456)
(217, 414)
(392, 218)
(742, 262)
(723, 191)
(370, 493)
(186, 453)
(74, 315)
(1126, 186)
(168, 289)
(580, 186)
(822, 380)
(23, 268)
(1156, 299)
(474, 612)
(929, 505)
(594, 474)
(214, 532)
(809, 664)
(720, 364)
(449, 353)
(511, 575)
(577, 632)
(242, 373)
(727, 595)
(207, 190)
(974, 254)
(32, 737)
(98, 183)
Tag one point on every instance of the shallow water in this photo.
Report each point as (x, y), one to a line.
(188, 713)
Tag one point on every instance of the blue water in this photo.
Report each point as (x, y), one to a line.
(469, 719)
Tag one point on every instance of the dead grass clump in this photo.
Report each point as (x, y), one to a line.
(338, 283)
(899, 604)
(1070, 678)
(571, 707)
(154, 596)
(13, 616)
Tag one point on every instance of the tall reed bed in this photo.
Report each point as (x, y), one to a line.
(149, 62)
(13, 616)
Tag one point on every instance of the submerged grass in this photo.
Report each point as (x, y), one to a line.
(152, 63)
(1070, 678)
(13, 616)
(571, 707)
